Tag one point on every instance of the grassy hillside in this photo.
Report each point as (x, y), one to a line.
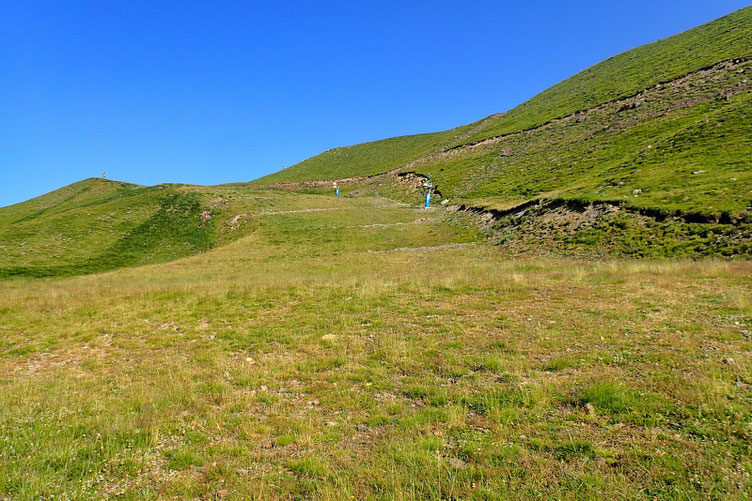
(620, 76)
(664, 126)
(96, 225)
(76, 194)
(685, 146)
(682, 147)
(364, 159)
(251, 343)
(255, 343)
(667, 169)
(358, 348)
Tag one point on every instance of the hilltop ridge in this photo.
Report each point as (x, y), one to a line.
(97, 225)
(644, 154)
(631, 72)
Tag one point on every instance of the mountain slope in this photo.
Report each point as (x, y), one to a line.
(664, 130)
(659, 138)
(688, 62)
(727, 38)
(366, 159)
(684, 146)
(96, 225)
(677, 152)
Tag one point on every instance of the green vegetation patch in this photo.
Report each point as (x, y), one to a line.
(364, 159)
(626, 74)
(95, 236)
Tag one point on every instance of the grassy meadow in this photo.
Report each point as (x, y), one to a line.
(248, 341)
(360, 348)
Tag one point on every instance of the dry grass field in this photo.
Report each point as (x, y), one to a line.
(266, 340)
(371, 350)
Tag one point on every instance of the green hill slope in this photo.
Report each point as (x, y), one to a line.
(662, 131)
(664, 128)
(659, 137)
(671, 74)
(684, 146)
(96, 225)
(626, 74)
(365, 159)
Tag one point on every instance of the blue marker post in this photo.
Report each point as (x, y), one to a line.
(336, 190)
(428, 186)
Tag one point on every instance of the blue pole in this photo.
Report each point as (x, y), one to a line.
(337, 192)
(428, 199)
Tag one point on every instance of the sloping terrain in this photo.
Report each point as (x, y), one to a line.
(96, 225)
(684, 146)
(361, 348)
(99, 225)
(663, 132)
(663, 129)
(626, 74)
(362, 159)
(619, 78)
(272, 341)
(371, 158)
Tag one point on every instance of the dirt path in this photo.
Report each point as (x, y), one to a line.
(299, 211)
(375, 225)
(427, 248)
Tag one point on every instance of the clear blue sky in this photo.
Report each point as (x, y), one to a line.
(214, 91)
